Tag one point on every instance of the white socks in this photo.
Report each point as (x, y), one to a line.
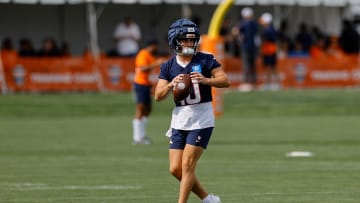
(139, 128)
(144, 121)
(137, 132)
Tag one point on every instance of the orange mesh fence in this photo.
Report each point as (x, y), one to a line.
(305, 72)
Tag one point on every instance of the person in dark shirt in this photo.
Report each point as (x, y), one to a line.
(303, 37)
(26, 48)
(49, 48)
(248, 30)
(284, 40)
(349, 38)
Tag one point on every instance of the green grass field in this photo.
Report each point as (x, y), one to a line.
(77, 148)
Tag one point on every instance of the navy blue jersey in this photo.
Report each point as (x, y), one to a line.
(201, 62)
(269, 34)
(248, 30)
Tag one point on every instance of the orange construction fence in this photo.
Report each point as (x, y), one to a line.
(305, 72)
(80, 73)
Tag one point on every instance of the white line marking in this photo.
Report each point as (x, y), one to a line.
(43, 186)
(299, 154)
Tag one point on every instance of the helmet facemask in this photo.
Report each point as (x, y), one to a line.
(185, 50)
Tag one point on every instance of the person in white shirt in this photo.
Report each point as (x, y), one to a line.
(127, 35)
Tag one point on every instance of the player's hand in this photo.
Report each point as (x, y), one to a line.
(176, 80)
(200, 78)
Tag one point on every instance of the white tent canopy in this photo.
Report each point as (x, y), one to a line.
(336, 3)
(42, 16)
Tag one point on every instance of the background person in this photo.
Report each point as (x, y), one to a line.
(49, 48)
(304, 38)
(7, 46)
(8, 53)
(145, 62)
(268, 52)
(284, 40)
(193, 118)
(247, 31)
(231, 47)
(127, 36)
(26, 48)
(349, 38)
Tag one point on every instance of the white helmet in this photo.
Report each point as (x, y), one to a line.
(247, 12)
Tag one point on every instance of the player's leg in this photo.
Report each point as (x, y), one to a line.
(196, 142)
(247, 84)
(175, 160)
(275, 75)
(252, 67)
(267, 77)
(176, 149)
(245, 64)
(146, 110)
(177, 145)
(138, 131)
(175, 156)
(139, 110)
(142, 111)
(190, 157)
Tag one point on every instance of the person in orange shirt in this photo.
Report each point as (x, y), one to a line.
(145, 62)
(8, 52)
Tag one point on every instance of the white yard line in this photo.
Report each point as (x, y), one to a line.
(44, 186)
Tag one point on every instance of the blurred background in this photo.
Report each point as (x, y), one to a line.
(67, 103)
(318, 41)
(66, 20)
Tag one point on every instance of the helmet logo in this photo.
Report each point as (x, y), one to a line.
(191, 29)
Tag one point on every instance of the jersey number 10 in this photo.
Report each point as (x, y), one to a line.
(197, 97)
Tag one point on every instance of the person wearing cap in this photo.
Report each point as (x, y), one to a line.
(247, 33)
(145, 62)
(268, 52)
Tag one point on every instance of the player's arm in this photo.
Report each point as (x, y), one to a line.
(155, 64)
(219, 78)
(163, 87)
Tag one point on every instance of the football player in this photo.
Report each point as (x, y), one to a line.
(145, 62)
(192, 118)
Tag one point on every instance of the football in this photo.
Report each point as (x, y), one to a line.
(182, 89)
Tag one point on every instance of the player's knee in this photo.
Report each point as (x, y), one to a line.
(188, 166)
(175, 171)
